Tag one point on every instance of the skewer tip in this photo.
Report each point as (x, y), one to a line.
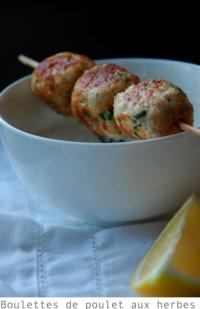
(27, 61)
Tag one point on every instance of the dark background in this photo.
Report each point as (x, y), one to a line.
(40, 30)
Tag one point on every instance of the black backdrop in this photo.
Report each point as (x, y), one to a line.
(40, 30)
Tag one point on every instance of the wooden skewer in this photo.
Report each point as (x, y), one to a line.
(28, 61)
(33, 64)
(190, 129)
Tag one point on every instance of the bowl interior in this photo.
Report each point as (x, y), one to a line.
(20, 108)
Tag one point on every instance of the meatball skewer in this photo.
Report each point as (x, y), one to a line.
(53, 79)
(93, 99)
(187, 127)
(153, 108)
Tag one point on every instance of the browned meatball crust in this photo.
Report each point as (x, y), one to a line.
(54, 78)
(151, 109)
(93, 98)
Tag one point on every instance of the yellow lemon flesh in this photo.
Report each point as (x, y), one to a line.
(172, 265)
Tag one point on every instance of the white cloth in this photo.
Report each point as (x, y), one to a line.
(54, 256)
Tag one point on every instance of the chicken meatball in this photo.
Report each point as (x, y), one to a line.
(93, 98)
(54, 79)
(151, 109)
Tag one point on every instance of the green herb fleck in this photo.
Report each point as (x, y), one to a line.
(107, 115)
(180, 91)
(119, 75)
(141, 114)
(111, 140)
(137, 125)
(137, 136)
(98, 96)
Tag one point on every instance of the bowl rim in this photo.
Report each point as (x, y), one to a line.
(18, 131)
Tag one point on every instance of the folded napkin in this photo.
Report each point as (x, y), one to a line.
(45, 254)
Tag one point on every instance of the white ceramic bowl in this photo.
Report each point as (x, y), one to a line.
(63, 164)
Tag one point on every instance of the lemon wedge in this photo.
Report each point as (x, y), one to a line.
(172, 265)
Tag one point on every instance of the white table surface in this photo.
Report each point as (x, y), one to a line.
(44, 254)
